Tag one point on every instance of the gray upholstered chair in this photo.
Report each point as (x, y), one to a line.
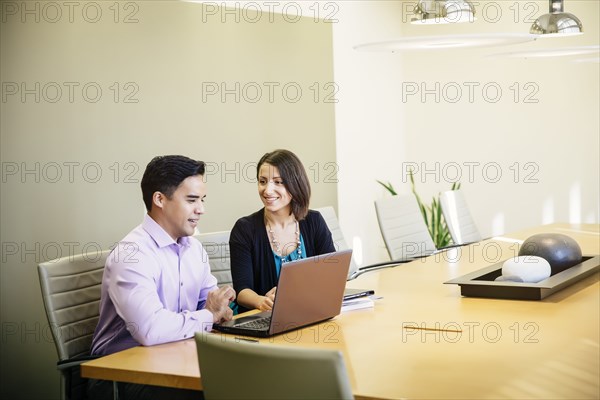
(71, 294)
(403, 229)
(234, 369)
(216, 245)
(458, 218)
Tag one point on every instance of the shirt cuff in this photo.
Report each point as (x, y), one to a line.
(205, 318)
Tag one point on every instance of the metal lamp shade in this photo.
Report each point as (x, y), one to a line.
(443, 12)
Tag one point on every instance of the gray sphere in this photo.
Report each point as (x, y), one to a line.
(561, 251)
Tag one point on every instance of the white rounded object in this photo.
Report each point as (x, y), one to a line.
(530, 269)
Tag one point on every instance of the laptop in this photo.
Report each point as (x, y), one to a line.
(309, 291)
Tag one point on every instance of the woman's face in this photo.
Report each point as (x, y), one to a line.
(272, 190)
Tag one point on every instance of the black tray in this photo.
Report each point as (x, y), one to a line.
(481, 283)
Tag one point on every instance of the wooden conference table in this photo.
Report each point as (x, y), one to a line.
(470, 348)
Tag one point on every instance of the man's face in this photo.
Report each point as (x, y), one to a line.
(182, 211)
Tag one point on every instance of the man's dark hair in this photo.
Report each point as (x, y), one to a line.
(294, 178)
(165, 173)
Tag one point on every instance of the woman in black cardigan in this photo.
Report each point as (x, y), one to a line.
(284, 230)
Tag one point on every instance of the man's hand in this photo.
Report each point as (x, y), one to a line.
(217, 302)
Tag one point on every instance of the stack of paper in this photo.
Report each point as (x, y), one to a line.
(357, 303)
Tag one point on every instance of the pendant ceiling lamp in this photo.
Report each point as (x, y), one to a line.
(443, 12)
(557, 22)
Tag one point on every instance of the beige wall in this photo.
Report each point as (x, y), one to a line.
(546, 147)
(88, 155)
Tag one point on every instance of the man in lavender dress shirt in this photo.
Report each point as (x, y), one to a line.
(157, 286)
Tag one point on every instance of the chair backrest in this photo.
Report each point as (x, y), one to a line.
(232, 369)
(403, 228)
(216, 245)
(331, 220)
(71, 294)
(458, 218)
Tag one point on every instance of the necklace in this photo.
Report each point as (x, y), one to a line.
(277, 243)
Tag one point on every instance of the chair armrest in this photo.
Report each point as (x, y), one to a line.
(374, 267)
(73, 362)
(391, 263)
(451, 246)
(384, 264)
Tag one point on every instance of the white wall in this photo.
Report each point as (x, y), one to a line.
(551, 140)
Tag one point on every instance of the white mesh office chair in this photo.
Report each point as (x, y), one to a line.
(233, 369)
(403, 229)
(458, 218)
(216, 245)
(71, 293)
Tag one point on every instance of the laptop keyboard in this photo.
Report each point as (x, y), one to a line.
(260, 324)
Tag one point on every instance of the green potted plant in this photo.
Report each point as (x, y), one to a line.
(432, 214)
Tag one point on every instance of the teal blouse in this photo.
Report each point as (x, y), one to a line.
(290, 257)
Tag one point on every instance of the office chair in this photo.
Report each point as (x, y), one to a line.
(216, 245)
(458, 218)
(331, 220)
(403, 229)
(71, 293)
(232, 369)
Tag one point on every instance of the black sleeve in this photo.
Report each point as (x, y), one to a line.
(323, 239)
(240, 249)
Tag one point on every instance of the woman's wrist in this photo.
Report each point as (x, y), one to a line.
(249, 298)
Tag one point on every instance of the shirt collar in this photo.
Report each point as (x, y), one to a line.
(159, 235)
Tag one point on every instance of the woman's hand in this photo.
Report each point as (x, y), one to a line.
(271, 293)
(265, 303)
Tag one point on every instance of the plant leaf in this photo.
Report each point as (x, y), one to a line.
(389, 187)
